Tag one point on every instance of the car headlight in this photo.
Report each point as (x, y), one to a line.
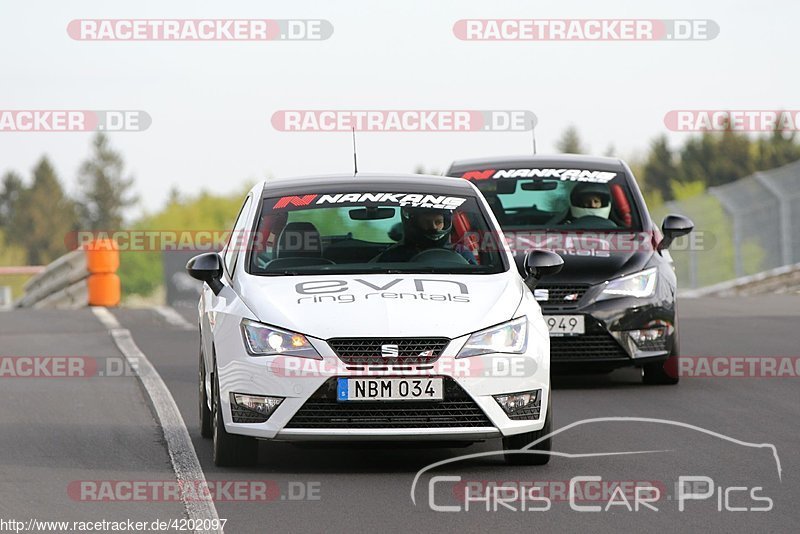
(642, 284)
(508, 338)
(263, 340)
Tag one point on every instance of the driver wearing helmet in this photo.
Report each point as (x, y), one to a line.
(589, 199)
(424, 229)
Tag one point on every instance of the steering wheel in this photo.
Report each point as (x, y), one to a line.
(437, 256)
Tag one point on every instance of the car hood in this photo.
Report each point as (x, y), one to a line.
(378, 305)
(593, 260)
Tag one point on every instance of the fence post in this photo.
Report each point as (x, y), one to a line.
(736, 228)
(785, 214)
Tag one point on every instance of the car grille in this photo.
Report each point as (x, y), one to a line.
(599, 346)
(652, 345)
(531, 411)
(240, 414)
(562, 294)
(323, 411)
(367, 351)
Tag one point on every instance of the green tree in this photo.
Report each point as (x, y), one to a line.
(142, 272)
(570, 142)
(43, 217)
(661, 168)
(105, 191)
(10, 190)
(776, 150)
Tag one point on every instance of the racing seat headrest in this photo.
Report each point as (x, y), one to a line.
(299, 240)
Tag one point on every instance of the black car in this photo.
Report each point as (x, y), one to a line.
(613, 303)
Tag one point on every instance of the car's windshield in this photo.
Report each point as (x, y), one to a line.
(373, 232)
(558, 199)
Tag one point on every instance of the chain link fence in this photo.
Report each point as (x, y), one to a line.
(742, 228)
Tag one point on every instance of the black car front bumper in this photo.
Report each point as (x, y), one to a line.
(607, 342)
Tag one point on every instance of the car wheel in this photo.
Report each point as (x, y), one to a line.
(230, 449)
(517, 442)
(663, 373)
(206, 426)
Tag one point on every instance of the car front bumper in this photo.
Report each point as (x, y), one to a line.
(303, 381)
(608, 341)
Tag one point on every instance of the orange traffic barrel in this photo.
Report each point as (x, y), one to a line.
(102, 256)
(104, 289)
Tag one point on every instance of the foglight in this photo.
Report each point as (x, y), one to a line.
(649, 334)
(523, 405)
(257, 408)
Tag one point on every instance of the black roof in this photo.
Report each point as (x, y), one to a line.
(401, 183)
(539, 161)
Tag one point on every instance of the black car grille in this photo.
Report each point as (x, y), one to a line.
(531, 411)
(599, 346)
(367, 351)
(562, 294)
(652, 345)
(323, 411)
(240, 414)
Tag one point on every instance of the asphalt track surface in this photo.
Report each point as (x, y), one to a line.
(56, 431)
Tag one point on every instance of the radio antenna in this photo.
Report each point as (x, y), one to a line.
(533, 136)
(355, 158)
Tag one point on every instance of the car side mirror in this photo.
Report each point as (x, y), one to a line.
(207, 268)
(536, 264)
(673, 227)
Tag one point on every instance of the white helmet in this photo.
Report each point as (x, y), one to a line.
(581, 192)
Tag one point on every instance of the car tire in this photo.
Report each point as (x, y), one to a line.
(663, 373)
(518, 441)
(206, 424)
(230, 450)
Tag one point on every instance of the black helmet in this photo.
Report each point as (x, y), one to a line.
(412, 231)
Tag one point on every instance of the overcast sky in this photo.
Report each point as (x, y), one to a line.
(211, 102)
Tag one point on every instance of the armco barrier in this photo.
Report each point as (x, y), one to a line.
(782, 280)
(84, 277)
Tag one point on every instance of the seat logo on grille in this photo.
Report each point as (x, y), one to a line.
(390, 351)
(541, 294)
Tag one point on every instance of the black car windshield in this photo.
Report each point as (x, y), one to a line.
(373, 232)
(558, 199)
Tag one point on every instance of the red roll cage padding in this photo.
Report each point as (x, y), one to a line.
(462, 235)
(622, 207)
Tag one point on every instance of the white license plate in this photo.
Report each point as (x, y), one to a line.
(564, 325)
(389, 389)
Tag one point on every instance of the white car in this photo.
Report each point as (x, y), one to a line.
(372, 307)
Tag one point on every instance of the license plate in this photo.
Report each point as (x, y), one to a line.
(564, 325)
(389, 389)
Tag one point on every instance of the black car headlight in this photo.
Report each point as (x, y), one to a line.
(640, 285)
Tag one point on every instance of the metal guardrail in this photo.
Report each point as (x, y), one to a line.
(784, 279)
(83, 277)
(61, 284)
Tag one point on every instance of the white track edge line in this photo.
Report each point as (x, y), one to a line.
(173, 318)
(179, 445)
